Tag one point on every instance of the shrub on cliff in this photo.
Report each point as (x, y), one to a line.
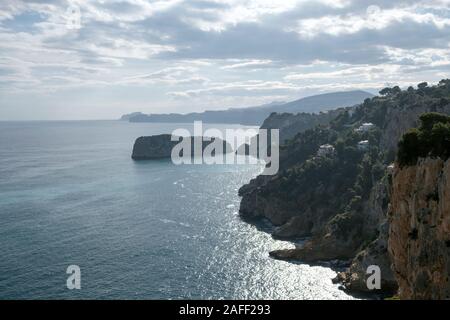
(432, 138)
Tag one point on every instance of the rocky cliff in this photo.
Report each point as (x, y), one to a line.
(375, 253)
(419, 232)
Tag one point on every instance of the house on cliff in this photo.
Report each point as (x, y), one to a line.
(363, 145)
(365, 127)
(326, 150)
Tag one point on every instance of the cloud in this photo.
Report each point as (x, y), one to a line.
(373, 19)
(252, 64)
(227, 51)
(180, 75)
(247, 88)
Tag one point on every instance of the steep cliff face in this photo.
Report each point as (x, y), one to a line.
(397, 123)
(342, 236)
(375, 226)
(281, 200)
(419, 233)
(154, 147)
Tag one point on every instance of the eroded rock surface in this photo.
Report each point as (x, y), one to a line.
(419, 234)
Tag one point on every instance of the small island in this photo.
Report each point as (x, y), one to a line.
(160, 146)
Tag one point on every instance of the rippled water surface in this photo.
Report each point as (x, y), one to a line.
(70, 194)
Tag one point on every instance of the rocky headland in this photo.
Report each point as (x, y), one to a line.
(339, 200)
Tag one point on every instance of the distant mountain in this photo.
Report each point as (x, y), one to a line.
(256, 115)
(324, 102)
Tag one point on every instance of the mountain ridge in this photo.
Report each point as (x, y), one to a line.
(257, 114)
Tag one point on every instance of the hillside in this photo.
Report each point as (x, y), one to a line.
(324, 102)
(339, 199)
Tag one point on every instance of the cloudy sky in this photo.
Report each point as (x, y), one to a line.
(99, 59)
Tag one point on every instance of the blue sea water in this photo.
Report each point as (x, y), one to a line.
(70, 194)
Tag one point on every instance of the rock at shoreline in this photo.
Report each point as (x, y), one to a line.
(355, 277)
(160, 146)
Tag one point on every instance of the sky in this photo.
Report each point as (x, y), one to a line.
(101, 59)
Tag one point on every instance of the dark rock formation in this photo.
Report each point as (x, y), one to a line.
(160, 146)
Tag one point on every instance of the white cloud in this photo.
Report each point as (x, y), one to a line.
(245, 88)
(371, 20)
(238, 11)
(254, 64)
(180, 75)
(121, 48)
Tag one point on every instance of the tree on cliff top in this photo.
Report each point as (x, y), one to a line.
(432, 138)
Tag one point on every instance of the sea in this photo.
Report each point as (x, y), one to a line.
(70, 194)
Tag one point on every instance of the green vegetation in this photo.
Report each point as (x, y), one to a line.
(338, 198)
(314, 181)
(334, 189)
(432, 138)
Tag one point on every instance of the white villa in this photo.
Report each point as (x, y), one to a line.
(363, 145)
(390, 168)
(365, 127)
(326, 150)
